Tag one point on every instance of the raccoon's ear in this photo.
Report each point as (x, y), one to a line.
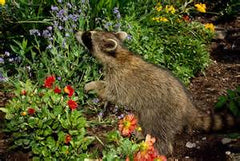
(121, 35)
(110, 45)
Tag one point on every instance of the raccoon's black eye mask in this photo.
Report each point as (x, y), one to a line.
(87, 40)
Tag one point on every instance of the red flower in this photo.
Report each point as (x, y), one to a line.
(69, 90)
(57, 90)
(186, 18)
(31, 111)
(49, 81)
(72, 104)
(68, 138)
(23, 92)
(127, 125)
(147, 151)
(160, 158)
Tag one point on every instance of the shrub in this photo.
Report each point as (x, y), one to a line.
(48, 120)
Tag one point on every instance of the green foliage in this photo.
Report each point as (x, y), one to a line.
(40, 119)
(231, 102)
(179, 45)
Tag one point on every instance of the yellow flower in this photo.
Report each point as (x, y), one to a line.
(160, 19)
(170, 8)
(24, 113)
(210, 26)
(201, 7)
(158, 7)
(2, 2)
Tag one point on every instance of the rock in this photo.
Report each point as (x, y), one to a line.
(204, 138)
(226, 141)
(190, 145)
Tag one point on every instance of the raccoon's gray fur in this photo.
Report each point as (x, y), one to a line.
(160, 101)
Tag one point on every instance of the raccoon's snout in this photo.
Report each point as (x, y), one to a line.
(85, 39)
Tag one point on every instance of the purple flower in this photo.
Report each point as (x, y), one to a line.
(115, 10)
(60, 27)
(107, 25)
(49, 47)
(34, 32)
(59, 1)
(59, 78)
(100, 114)
(54, 8)
(120, 116)
(46, 34)
(129, 37)
(49, 28)
(95, 100)
(117, 26)
(2, 78)
(79, 11)
(75, 17)
(1, 60)
(61, 13)
(83, 1)
(118, 16)
(7, 53)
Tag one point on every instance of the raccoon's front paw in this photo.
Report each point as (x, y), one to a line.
(90, 86)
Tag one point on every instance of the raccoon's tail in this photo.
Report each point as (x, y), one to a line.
(215, 122)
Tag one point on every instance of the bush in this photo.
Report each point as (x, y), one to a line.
(48, 120)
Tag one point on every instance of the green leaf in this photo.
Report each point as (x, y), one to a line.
(233, 108)
(47, 131)
(57, 110)
(231, 94)
(5, 110)
(221, 102)
(36, 158)
(51, 143)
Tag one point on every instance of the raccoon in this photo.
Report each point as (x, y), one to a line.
(160, 101)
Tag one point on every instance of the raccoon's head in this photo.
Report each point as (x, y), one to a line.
(103, 45)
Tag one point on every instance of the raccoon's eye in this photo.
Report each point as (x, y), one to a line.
(87, 40)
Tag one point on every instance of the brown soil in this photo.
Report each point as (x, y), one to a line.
(222, 74)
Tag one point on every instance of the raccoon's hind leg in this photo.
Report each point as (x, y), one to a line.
(161, 127)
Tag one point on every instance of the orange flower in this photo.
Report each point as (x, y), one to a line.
(69, 90)
(68, 138)
(160, 158)
(127, 159)
(31, 111)
(127, 125)
(147, 151)
(72, 104)
(49, 81)
(57, 90)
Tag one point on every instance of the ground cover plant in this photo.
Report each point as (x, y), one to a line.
(50, 115)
